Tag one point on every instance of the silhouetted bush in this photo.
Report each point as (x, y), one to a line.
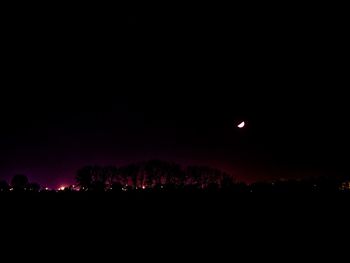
(19, 182)
(4, 186)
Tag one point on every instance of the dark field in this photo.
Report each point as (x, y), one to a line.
(173, 225)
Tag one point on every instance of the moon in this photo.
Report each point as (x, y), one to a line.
(241, 125)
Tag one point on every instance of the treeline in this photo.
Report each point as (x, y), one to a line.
(154, 174)
(19, 183)
(157, 175)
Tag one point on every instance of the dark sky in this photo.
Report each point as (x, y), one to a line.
(98, 86)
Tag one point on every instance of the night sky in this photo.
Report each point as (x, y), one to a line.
(92, 87)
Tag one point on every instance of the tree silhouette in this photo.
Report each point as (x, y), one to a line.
(161, 173)
(155, 170)
(193, 176)
(130, 173)
(4, 186)
(174, 177)
(19, 182)
(98, 186)
(84, 178)
(34, 187)
(96, 178)
(112, 176)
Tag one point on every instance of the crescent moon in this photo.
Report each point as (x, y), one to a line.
(241, 125)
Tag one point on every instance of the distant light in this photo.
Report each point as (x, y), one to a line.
(46, 188)
(241, 125)
(61, 188)
(143, 187)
